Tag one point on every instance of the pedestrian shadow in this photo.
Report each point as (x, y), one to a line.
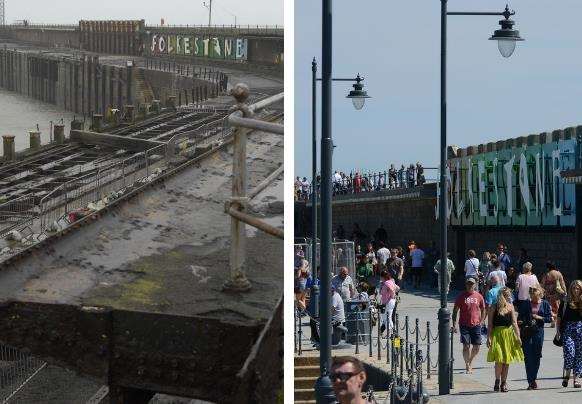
(473, 393)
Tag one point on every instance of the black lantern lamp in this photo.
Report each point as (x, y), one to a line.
(358, 95)
(506, 37)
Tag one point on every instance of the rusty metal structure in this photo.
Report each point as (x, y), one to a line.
(135, 352)
(112, 37)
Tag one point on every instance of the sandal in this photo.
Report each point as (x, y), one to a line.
(565, 381)
(496, 386)
(503, 387)
(577, 385)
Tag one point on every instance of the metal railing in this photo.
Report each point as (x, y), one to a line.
(343, 254)
(239, 29)
(17, 213)
(408, 348)
(242, 123)
(356, 183)
(181, 141)
(16, 369)
(72, 199)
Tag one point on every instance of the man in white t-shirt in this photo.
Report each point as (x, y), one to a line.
(417, 258)
(383, 253)
(471, 265)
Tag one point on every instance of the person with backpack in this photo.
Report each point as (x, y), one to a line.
(533, 314)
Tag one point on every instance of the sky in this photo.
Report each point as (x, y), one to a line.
(262, 12)
(395, 45)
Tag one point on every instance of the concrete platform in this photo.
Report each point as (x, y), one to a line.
(135, 298)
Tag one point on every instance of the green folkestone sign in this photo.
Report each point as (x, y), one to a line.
(520, 186)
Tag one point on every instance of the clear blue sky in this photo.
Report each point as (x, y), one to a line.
(396, 46)
(264, 12)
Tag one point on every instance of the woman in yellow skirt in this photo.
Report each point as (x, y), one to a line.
(503, 338)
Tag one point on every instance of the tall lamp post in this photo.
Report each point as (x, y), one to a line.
(323, 387)
(506, 38)
(358, 97)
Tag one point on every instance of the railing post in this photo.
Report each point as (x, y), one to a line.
(406, 339)
(300, 333)
(238, 280)
(428, 342)
(357, 313)
(451, 362)
(379, 338)
(295, 329)
(417, 332)
(370, 330)
(389, 339)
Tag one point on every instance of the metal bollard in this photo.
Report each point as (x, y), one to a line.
(428, 341)
(370, 331)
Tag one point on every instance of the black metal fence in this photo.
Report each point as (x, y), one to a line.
(356, 183)
(410, 349)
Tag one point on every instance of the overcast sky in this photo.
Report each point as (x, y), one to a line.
(396, 46)
(173, 11)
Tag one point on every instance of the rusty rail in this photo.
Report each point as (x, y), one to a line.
(242, 124)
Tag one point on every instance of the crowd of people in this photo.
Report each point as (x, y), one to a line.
(504, 302)
(404, 177)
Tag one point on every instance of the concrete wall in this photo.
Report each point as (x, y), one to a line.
(59, 37)
(85, 86)
(410, 215)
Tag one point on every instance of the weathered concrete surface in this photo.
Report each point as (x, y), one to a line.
(164, 253)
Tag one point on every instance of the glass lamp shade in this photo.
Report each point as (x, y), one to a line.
(506, 47)
(358, 102)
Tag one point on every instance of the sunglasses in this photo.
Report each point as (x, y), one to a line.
(342, 376)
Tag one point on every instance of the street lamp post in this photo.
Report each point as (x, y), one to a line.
(507, 38)
(358, 97)
(323, 387)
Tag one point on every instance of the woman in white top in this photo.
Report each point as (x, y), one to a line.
(525, 281)
(471, 265)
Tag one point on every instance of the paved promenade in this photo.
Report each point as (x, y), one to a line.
(478, 387)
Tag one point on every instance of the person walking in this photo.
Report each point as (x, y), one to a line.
(448, 274)
(502, 256)
(472, 307)
(388, 291)
(471, 265)
(383, 253)
(417, 259)
(364, 270)
(532, 314)
(524, 282)
(569, 328)
(498, 272)
(484, 268)
(555, 287)
(503, 338)
(344, 284)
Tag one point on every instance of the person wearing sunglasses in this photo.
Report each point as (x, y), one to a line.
(348, 377)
